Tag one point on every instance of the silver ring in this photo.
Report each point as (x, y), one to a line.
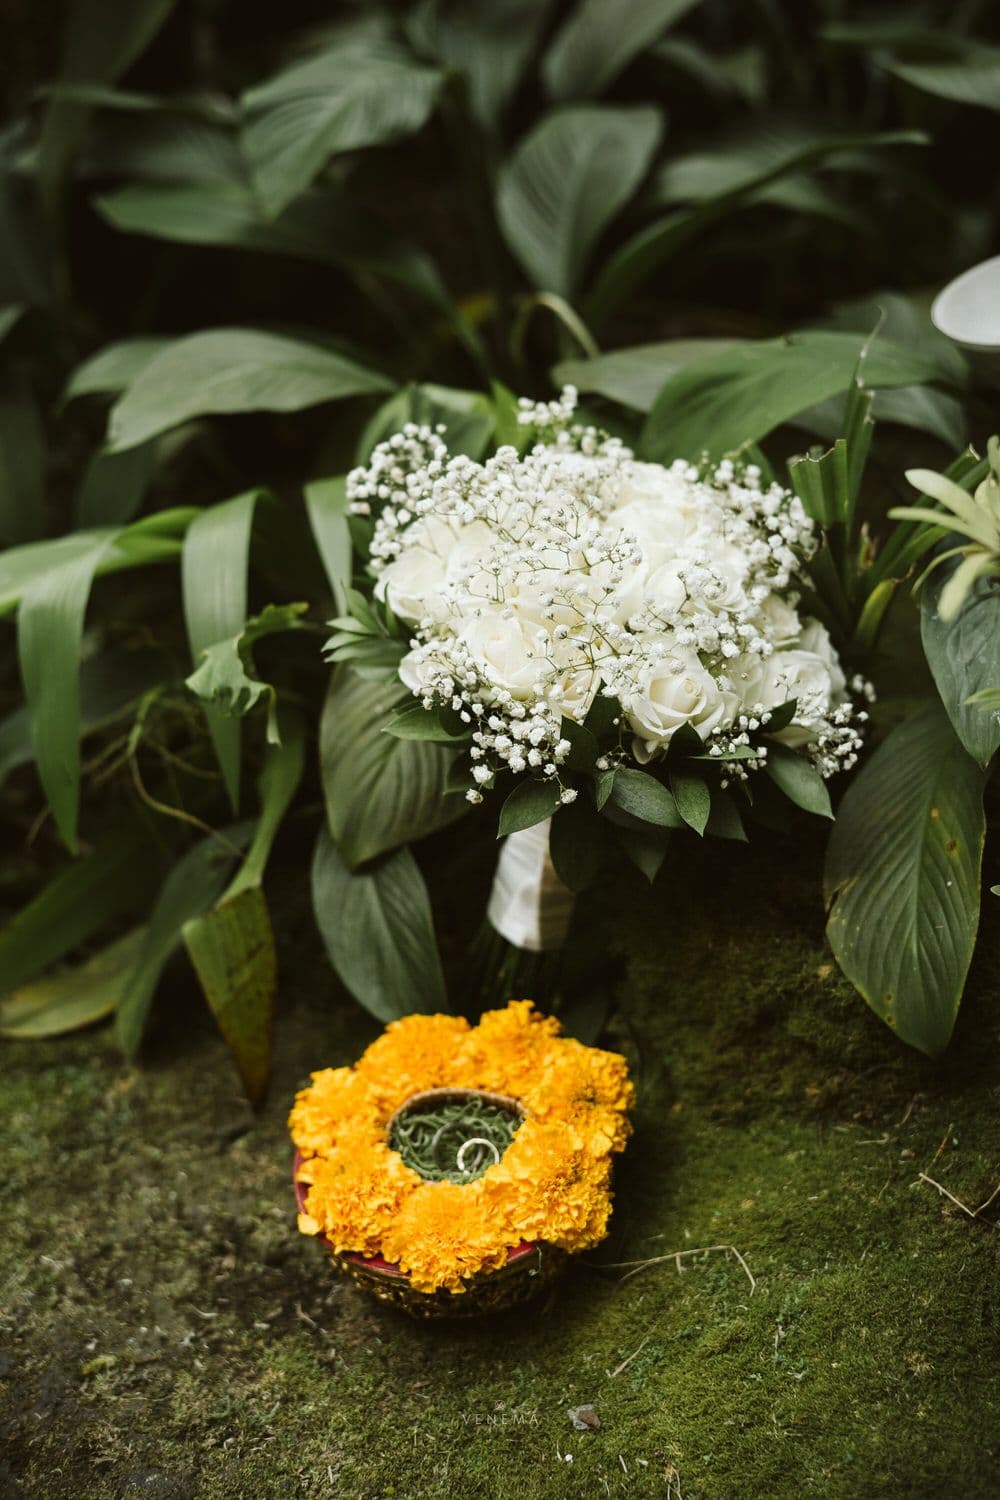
(476, 1140)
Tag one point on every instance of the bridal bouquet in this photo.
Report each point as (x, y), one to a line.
(608, 645)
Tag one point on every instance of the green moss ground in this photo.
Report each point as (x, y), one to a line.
(166, 1332)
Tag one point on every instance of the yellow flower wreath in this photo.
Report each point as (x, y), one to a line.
(552, 1184)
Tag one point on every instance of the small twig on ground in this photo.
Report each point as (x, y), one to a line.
(626, 1362)
(944, 1142)
(973, 1213)
(675, 1256)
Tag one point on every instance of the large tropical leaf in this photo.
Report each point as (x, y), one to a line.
(972, 80)
(488, 42)
(50, 630)
(152, 539)
(193, 885)
(378, 931)
(711, 183)
(232, 945)
(326, 507)
(214, 586)
(350, 95)
(321, 225)
(742, 393)
(902, 878)
(73, 997)
(634, 377)
(103, 38)
(232, 370)
(566, 181)
(114, 485)
(964, 656)
(600, 39)
(380, 791)
(114, 367)
(118, 877)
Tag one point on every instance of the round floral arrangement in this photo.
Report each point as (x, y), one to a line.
(535, 583)
(544, 1116)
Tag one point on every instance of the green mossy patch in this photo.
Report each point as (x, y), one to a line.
(166, 1332)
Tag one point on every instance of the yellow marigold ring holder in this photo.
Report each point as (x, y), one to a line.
(403, 1224)
(530, 1267)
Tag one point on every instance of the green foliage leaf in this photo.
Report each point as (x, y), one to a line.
(693, 799)
(600, 39)
(103, 38)
(964, 656)
(75, 997)
(114, 485)
(577, 843)
(226, 679)
(712, 183)
(232, 945)
(799, 779)
(741, 394)
(214, 585)
(322, 226)
(725, 821)
(232, 950)
(380, 791)
(232, 370)
(645, 798)
(974, 79)
(326, 507)
(902, 878)
(50, 630)
(345, 97)
(467, 417)
(378, 931)
(192, 887)
(566, 181)
(531, 802)
(488, 42)
(822, 484)
(150, 540)
(117, 878)
(635, 377)
(114, 367)
(646, 848)
(284, 764)
(423, 724)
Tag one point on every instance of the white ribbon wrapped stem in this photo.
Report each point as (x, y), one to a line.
(529, 905)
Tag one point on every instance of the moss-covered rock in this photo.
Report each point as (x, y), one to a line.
(166, 1332)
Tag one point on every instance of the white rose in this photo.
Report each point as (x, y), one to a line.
(412, 584)
(815, 637)
(467, 545)
(416, 672)
(804, 676)
(661, 527)
(665, 590)
(509, 652)
(673, 691)
(780, 622)
(726, 566)
(579, 689)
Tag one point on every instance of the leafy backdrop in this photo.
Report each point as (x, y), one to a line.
(235, 251)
